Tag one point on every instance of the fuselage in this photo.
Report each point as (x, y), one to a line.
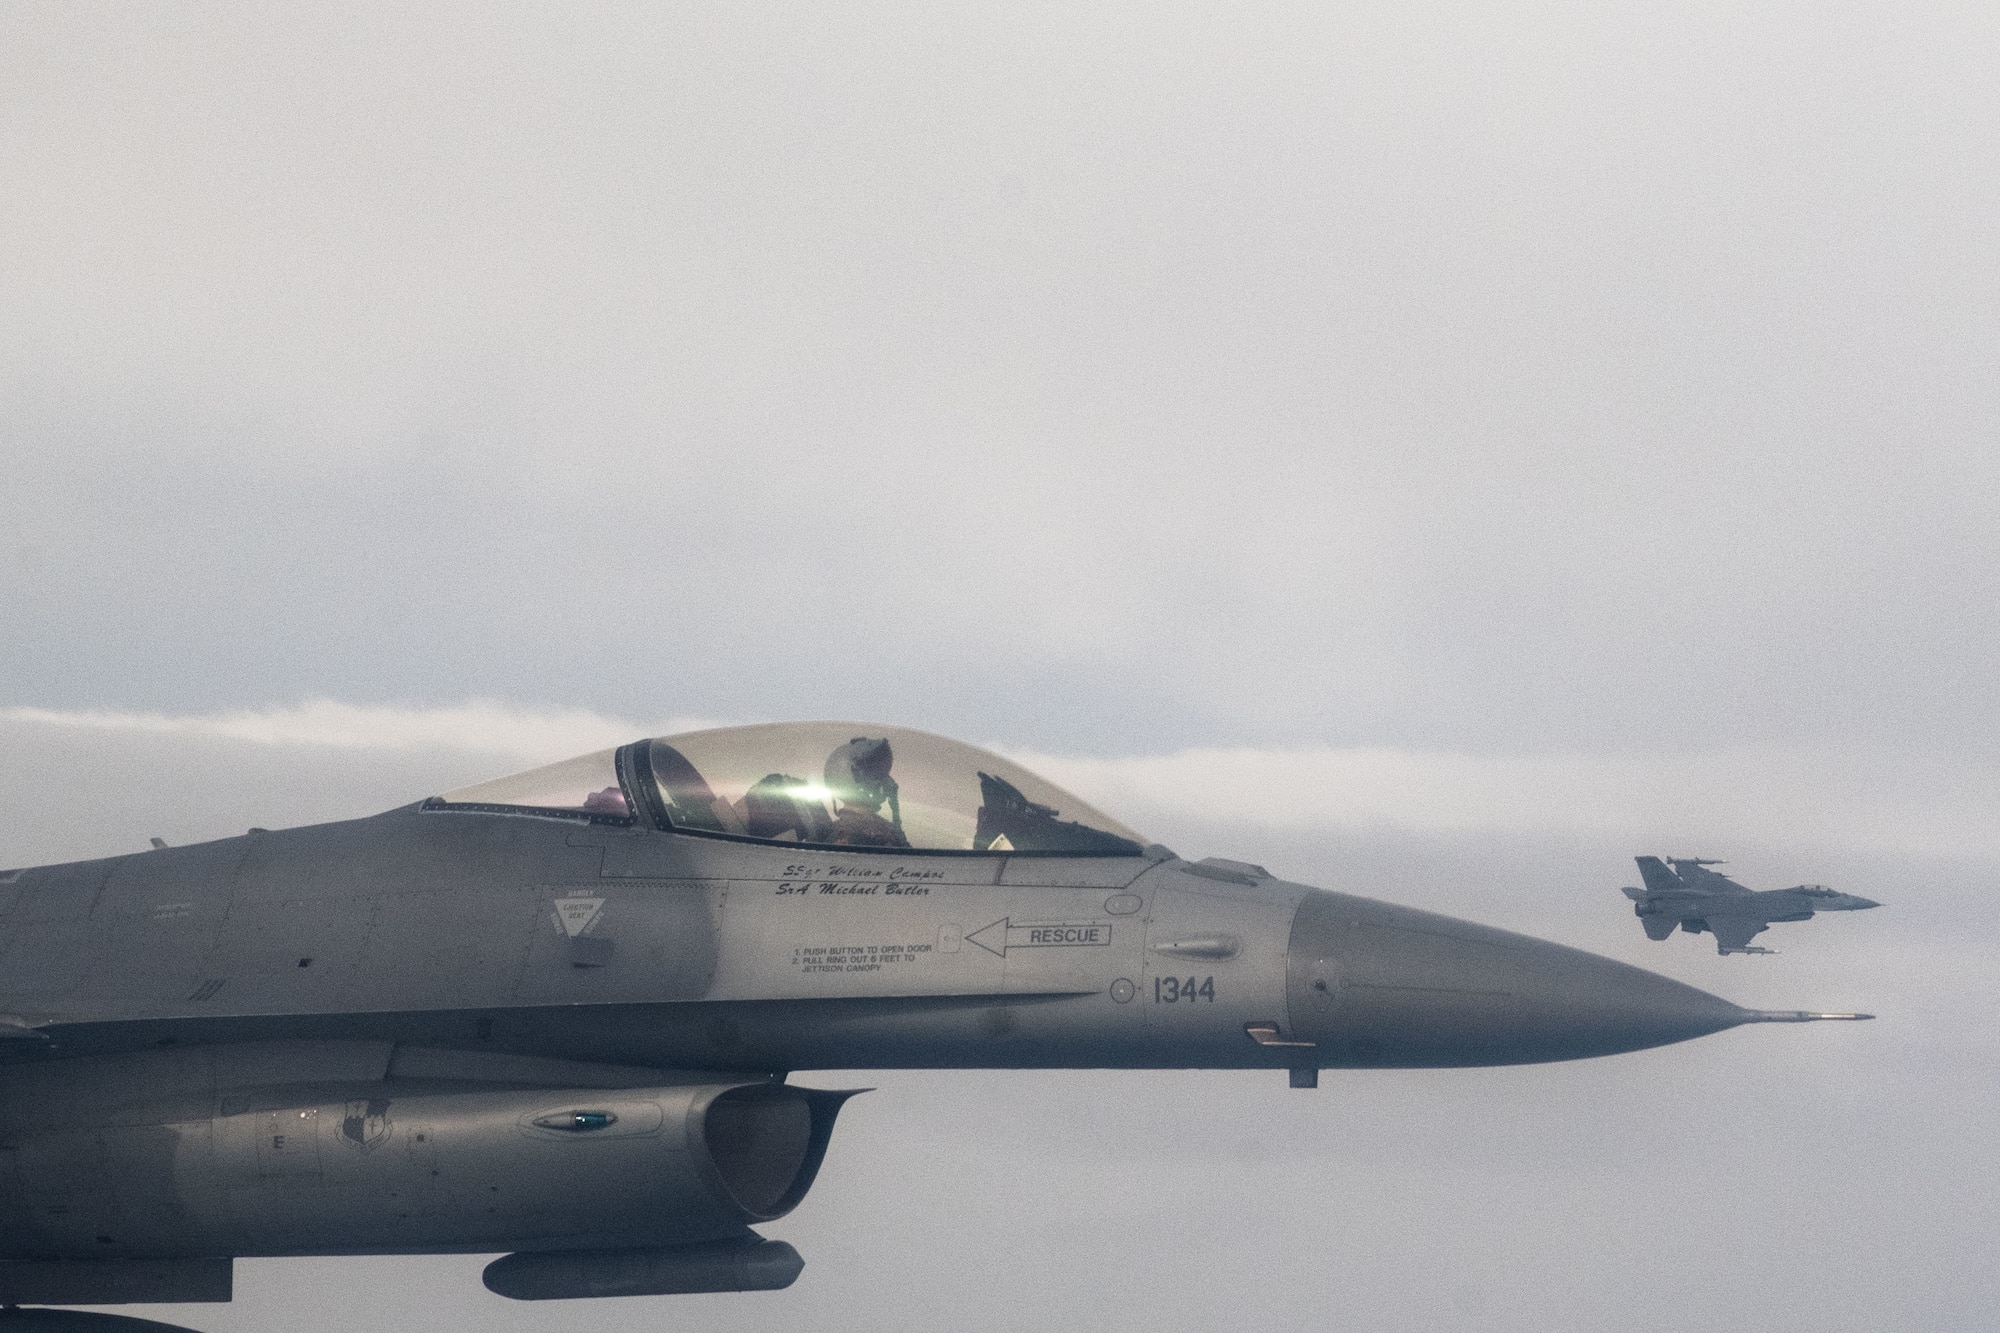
(1763, 906)
(637, 946)
(557, 1014)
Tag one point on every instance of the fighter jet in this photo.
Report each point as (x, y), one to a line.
(1686, 893)
(557, 1015)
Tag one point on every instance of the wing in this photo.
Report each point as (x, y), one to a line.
(1734, 932)
(1697, 876)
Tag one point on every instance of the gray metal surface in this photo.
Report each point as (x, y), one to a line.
(30, 1320)
(564, 1032)
(743, 1264)
(114, 1281)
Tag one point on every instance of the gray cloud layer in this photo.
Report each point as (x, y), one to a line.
(1454, 376)
(1831, 801)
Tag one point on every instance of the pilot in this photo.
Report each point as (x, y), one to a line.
(857, 775)
(610, 801)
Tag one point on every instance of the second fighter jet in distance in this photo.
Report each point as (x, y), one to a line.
(1686, 893)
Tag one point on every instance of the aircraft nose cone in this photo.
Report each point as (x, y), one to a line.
(1860, 902)
(1372, 984)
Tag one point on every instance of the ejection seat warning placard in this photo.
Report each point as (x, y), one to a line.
(1005, 934)
(996, 939)
(855, 957)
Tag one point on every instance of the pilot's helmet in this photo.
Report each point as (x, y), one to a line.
(858, 773)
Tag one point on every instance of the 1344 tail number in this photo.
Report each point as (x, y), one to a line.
(1172, 990)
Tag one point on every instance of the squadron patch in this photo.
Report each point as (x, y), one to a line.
(366, 1124)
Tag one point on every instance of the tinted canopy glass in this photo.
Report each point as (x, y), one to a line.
(825, 784)
(853, 784)
(586, 785)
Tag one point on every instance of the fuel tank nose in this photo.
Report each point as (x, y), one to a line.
(1376, 985)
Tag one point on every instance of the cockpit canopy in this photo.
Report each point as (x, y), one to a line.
(822, 784)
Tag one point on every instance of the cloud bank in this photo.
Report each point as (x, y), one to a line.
(1672, 801)
(478, 726)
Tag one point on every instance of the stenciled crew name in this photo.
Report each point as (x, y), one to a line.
(792, 888)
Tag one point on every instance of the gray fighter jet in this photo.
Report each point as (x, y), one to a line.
(1686, 893)
(557, 1014)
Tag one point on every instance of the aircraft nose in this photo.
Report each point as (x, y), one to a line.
(1372, 984)
(1860, 902)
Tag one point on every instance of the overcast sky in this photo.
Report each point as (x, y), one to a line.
(1437, 450)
